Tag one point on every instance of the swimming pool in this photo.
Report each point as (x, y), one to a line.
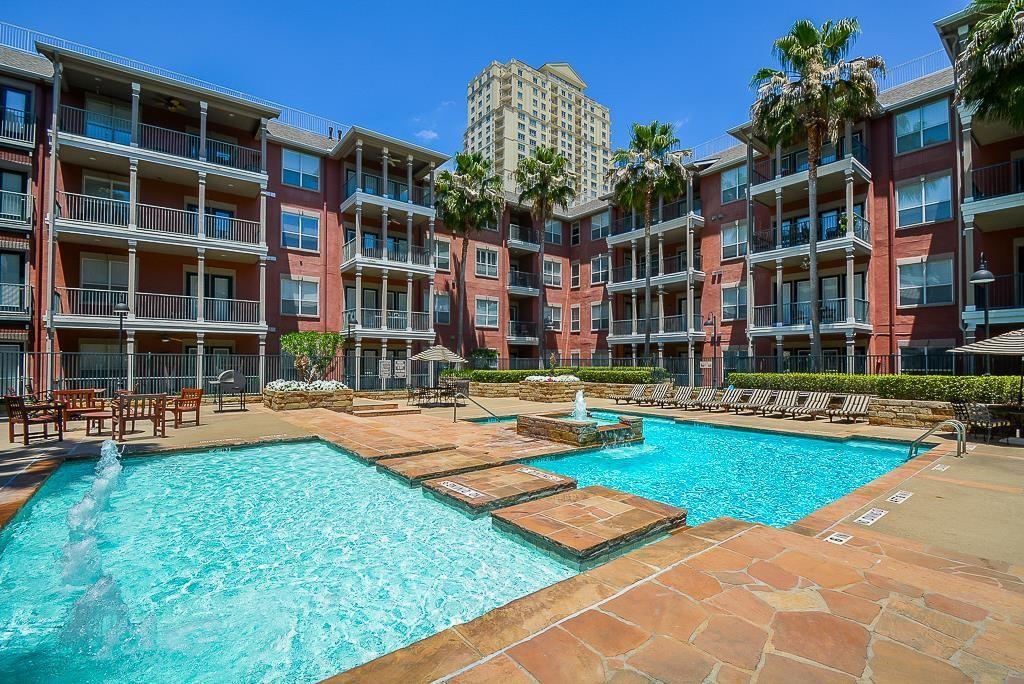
(279, 562)
(711, 471)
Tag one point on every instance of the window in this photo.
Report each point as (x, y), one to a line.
(599, 269)
(926, 282)
(922, 126)
(553, 232)
(574, 233)
(553, 317)
(442, 308)
(734, 302)
(734, 184)
(553, 273)
(486, 312)
(300, 297)
(574, 318)
(299, 231)
(734, 240)
(486, 262)
(599, 225)
(923, 201)
(599, 316)
(443, 255)
(103, 273)
(300, 170)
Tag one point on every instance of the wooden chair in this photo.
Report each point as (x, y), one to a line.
(18, 413)
(78, 401)
(132, 408)
(189, 401)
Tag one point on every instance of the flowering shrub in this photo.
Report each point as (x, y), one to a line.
(551, 378)
(297, 386)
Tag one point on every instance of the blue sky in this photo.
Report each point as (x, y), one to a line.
(402, 67)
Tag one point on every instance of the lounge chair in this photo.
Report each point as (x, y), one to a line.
(658, 395)
(731, 397)
(758, 400)
(634, 396)
(980, 417)
(681, 395)
(705, 395)
(854, 406)
(785, 401)
(816, 405)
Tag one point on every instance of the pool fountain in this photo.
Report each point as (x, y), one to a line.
(579, 410)
(579, 428)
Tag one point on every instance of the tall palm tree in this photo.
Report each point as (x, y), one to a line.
(466, 199)
(544, 181)
(990, 68)
(815, 93)
(648, 170)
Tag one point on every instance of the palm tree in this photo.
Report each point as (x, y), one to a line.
(990, 68)
(815, 93)
(544, 181)
(467, 199)
(648, 170)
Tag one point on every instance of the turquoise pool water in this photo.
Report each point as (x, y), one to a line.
(764, 477)
(275, 563)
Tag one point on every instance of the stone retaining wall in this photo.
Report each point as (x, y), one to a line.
(549, 392)
(558, 428)
(383, 394)
(908, 413)
(295, 400)
(494, 390)
(606, 390)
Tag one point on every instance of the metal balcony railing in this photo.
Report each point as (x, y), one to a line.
(97, 126)
(798, 232)
(397, 190)
(524, 234)
(16, 207)
(77, 301)
(88, 209)
(17, 125)
(998, 180)
(15, 299)
(523, 279)
(165, 306)
(232, 229)
(393, 252)
(231, 310)
(669, 212)
(794, 162)
(1006, 292)
(522, 329)
(166, 220)
(799, 313)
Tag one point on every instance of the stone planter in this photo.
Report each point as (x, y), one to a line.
(549, 392)
(295, 400)
(606, 390)
(908, 413)
(494, 390)
(559, 427)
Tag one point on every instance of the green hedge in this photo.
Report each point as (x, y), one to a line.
(989, 389)
(613, 374)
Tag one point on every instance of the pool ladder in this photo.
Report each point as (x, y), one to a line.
(961, 437)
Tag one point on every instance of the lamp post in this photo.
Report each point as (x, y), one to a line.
(984, 278)
(350, 323)
(121, 310)
(712, 322)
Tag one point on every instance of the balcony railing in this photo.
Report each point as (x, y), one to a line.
(166, 220)
(16, 207)
(998, 180)
(165, 306)
(677, 264)
(17, 125)
(88, 209)
(1006, 292)
(524, 234)
(523, 279)
(795, 233)
(231, 310)
(116, 130)
(393, 252)
(795, 162)
(375, 319)
(522, 329)
(77, 301)
(15, 299)
(669, 212)
(799, 313)
(677, 324)
(397, 190)
(232, 229)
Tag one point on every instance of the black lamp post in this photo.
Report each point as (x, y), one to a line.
(984, 278)
(121, 310)
(712, 322)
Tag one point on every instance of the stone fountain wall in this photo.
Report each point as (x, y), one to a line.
(558, 427)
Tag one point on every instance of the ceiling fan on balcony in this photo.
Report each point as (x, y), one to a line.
(172, 104)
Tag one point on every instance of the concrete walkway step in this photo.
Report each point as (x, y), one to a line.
(376, 411)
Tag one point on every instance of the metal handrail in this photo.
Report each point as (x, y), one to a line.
(961, 437)
(455, 408)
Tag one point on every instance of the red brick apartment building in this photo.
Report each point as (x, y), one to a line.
(213, 223)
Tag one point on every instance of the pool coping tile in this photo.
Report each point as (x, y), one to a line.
(483, 490)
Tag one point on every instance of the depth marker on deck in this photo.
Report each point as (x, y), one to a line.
(872, 516)
(940, 467)
(539, 473)
(900, 496)
(838, 538)
(462, 489)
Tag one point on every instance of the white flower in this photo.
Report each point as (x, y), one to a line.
(551, 378)
(315, 386)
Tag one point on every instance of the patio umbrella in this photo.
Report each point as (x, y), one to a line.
(438, 353)
(1007, 344)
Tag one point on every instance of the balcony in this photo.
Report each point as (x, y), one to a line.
(671, 329)
(15, 301)
(379, 324)
(523, 284)
(795, 317)
(669, 272)
(157, 221)
(85, 303)
(522, 332)
(385, 254)
(17, 127)
(164, 141)
(1005, 301)
(793, 172)
(796, 235)
(398, 191)
(16, 210)
(670, 216)
(997, 196)
(795, 162)
(522, 239)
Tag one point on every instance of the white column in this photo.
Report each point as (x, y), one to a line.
(202, 129)
(200, 353)
(201, 218)
(263, 145)
(850, 313)
(431, 182)
(130, 350)
(408, 237)
(430, 243)
(136, 92)
(263, 213)
(133, 194)
(133, 276)
(383, 356)
(661, 309)
(634, 352)
(778, 161)
(632, 247)
(384, 299)
(263, 289)
(263, 361)
(633, 300)
(850, 350)
(778, 218)
(848, 139)
(849, 202)
(408, 301)
(359, 296)
(779, 352)
(384, 172)
(383, 246)
(359, 165)
(661, 254)
(359, 362)
(408, 178)
(750, 295)
(691, 364)
(967, 154)
(690, 266)
(661, 353)
(201, 284)
(430, 304)
(359, 228)
(779, 285)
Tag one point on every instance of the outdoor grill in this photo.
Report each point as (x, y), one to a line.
(231, 383)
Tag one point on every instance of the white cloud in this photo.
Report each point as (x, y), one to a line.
(426, 134)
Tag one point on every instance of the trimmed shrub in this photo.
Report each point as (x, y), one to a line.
(988, 389)
(612, 374)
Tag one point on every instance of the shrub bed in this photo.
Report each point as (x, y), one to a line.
(614, 374)
(988, 389)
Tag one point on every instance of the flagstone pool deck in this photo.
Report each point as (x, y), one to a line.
(932, 591)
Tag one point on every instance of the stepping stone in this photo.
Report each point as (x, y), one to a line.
(484, 490)
(415, 469)
(585, 523)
